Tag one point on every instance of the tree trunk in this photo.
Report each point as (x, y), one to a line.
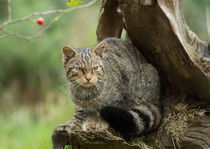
(158, 29)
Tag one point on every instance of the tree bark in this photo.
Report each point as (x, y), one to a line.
(110, 20)
(89, 140)
(159, 31)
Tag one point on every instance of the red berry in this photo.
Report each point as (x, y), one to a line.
(40, 21)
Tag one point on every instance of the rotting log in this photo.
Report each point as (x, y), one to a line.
(158, 29)
(70, 134)
(183, 126)
(89, 140)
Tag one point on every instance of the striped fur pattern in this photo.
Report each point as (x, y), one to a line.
(123, 88)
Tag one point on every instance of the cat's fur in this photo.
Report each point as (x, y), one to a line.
(122, 88)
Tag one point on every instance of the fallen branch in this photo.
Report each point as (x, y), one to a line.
(62, 136)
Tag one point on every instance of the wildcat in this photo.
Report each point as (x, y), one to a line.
(114, 82)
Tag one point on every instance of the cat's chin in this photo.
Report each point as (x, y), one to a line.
(86, 85)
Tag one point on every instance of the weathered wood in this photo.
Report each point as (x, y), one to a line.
(198, 134)
(160, 32)
(88, 140)
(193, 132)
(185, 125)
(147, 2)
(110, 15)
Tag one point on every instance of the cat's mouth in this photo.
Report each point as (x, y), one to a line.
(87, 84)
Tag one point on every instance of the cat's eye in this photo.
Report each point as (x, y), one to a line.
(78, 68)
(95, 68)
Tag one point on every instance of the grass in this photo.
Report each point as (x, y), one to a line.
(32, 127)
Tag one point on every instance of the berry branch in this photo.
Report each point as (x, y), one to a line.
(60, 13)
(4, 35)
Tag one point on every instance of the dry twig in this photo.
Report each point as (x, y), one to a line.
(4, 35)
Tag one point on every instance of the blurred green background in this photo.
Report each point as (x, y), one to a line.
(33, 91)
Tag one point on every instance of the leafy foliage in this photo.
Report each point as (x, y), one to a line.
(74, 2)
(68, 147)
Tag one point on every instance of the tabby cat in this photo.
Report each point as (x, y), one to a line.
(114, 81)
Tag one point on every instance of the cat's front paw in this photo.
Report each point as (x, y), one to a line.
(66, 128)
(95, 125)
(63, 128)
(60, 136)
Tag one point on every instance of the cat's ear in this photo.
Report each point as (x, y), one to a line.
(99, 49)
(68, 53)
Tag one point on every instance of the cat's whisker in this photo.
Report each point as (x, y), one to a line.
(65, 84)
(101, 81)
(64, 91)
(62, 77)
(69, 83)
(98, 87)
(76, 89)
(75, 81)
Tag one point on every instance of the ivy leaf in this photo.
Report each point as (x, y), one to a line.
(74, 2)
(68, 147)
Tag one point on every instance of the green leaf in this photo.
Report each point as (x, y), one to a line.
(68, 147)
(74, 2)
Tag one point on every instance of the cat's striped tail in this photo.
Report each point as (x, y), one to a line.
(135, 122)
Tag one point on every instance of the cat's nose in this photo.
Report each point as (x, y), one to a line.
(88, 77)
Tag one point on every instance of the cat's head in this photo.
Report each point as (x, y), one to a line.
(84, 66)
